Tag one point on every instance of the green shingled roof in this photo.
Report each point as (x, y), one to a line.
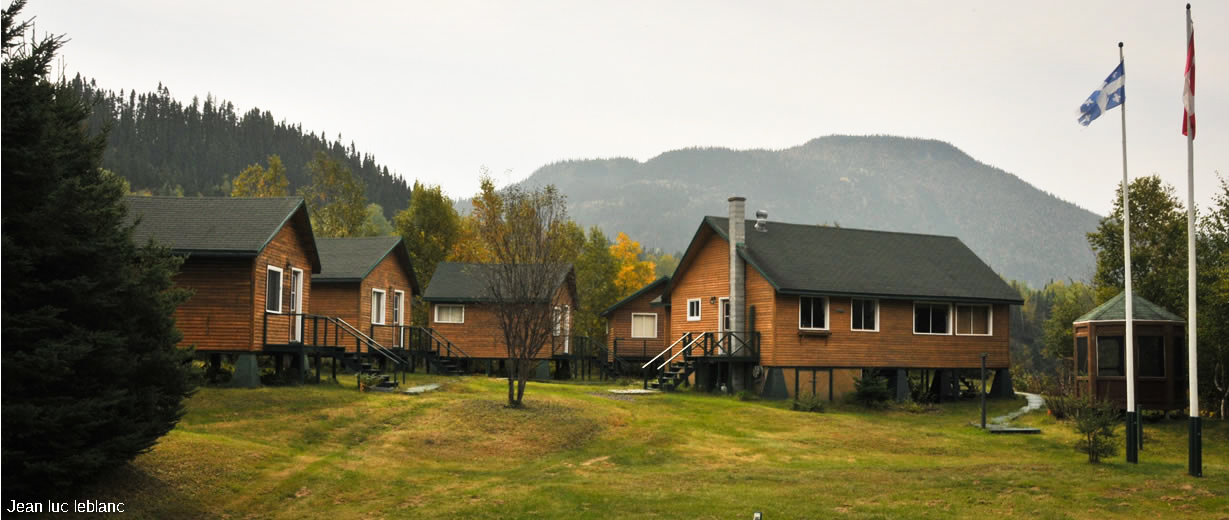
(805, 259)
(216, 226)
(1115, 309)
(352, 259)
(655, 283)
(462, 282)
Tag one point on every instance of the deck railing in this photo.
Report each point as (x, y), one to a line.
(637, 348)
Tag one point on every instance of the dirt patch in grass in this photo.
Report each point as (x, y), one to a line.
(480, 428)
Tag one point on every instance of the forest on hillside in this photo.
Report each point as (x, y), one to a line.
(169, 147)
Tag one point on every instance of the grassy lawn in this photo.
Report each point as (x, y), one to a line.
(577, 451)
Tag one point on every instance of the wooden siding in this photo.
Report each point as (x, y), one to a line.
(894, 345)
(215, 317)
(335, 299)
(481, 336)
(619, 325)
(288, 250)
(389, 275)
(706, 277)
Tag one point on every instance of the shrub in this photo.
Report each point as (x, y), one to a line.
(871, 391)
(916, 407)
(1095, 422)
(1062, 407)
(746, 395)
(809, 403)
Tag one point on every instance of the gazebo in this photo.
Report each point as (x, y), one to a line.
(1160, 359)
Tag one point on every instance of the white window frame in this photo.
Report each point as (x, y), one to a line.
(949, 319)
(989, 318)
(699, 309)
(851, 307)
(399, 300)
(281, 279)
(827, 310)
(383, 306)
(633, 331)
(438, 306)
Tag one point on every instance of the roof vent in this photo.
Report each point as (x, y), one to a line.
(761, 221)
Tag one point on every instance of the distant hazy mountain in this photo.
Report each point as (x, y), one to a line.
(884, 183)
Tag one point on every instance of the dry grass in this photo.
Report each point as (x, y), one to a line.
(574, 452)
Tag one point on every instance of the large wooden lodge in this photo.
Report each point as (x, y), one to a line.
(817, 307)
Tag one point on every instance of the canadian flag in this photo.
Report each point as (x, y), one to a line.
(1188, 90)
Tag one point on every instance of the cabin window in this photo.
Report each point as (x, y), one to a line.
(1151, 356)
(644, 325)
(693, 309)
(450, 313)
(1081, 356)
(973, 320)
(377, 306)
(399, 307)
(1110, 358)
(273, 289)
(864, 315)
(930, 318)
(812, 312)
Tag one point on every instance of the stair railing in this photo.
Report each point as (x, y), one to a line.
(686, 348)
(667, 350)
(450, 349)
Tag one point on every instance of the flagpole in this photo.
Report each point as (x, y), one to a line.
(1195, 439)
(1132, 427)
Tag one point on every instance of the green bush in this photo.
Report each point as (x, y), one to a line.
(1095, 422)
(746, 395)
(871, 391)
(1062, 407)
(809, 403)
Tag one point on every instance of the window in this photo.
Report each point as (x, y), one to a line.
(1151, 356)
(449, 313)
(930, 318)
(399, 307)
(1081, 356)
(1110, 358)
(812, 312)
(693, 309)
(273, 289)
(377, 306)
(973, 320)
(864, 315)
(644, 325)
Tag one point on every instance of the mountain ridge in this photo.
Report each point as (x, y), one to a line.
(884, 183)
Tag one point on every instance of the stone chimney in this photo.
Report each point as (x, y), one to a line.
(738, 270)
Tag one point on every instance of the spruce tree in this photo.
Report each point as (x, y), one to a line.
(91, 373)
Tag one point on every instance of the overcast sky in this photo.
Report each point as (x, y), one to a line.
(437, 90)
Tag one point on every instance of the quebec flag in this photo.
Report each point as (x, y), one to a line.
(1111, 94)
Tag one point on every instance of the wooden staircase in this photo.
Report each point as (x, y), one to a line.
(674, 375)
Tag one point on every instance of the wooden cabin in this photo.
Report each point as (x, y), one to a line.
(1160, 363)
(369, 283)
(249, 263)
(638, 326)
(819, 305)
(461, 311)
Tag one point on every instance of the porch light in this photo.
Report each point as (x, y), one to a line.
(712, 300)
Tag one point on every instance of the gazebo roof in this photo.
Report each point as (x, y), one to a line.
(1115, 310)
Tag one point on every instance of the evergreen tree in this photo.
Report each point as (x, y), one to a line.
(91, 373)
(596, 270)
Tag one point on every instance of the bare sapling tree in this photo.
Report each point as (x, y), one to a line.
(523, 282)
